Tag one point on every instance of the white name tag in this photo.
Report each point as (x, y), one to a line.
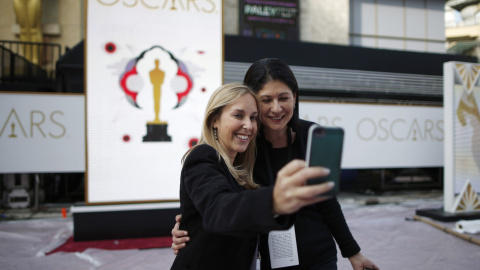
(283, 248)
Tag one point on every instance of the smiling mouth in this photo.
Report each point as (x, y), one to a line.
(243, 137)
(276, 118)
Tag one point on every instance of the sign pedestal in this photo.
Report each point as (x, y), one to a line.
(103, 222)
(157, 133)
(440, 215)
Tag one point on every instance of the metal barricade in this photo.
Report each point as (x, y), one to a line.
(15, 67)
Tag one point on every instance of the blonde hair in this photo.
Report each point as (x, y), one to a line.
(242, 167)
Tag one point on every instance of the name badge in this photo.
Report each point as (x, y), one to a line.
(283, 248)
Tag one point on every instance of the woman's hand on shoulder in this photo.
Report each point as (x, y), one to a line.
(179, 237)
(291, 193)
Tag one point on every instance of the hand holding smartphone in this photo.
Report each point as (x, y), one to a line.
(324, 148)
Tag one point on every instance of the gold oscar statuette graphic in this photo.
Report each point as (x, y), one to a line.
(13, 135)
(157, 129)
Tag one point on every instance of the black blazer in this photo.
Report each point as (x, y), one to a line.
(222, 218)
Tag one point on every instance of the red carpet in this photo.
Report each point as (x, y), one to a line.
(134, 243)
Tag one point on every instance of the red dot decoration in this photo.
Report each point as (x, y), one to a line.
(192, 142)
(126, 138)
(203, 89)
(110, 47)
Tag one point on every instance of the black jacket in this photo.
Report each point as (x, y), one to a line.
(222, 218)
(316, 224)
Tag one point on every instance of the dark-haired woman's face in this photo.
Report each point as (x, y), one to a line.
(277, 104)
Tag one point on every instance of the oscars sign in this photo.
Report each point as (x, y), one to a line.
(151, 67)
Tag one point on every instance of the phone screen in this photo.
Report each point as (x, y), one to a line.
(324, 148)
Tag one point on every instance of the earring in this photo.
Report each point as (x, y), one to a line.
(215, 133)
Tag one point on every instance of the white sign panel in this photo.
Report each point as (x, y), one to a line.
(383, 136)
(462, 136)
(42, 133)
(151, 67)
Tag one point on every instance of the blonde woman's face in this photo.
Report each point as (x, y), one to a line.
(237, 125)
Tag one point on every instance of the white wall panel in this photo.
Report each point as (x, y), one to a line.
(414, 45)
(364, 17)
(435, 16)
(415, 19)
(385, 22)
(390, 18)
(388, 43)
(436, 47)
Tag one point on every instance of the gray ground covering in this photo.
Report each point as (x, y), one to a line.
(380, 228)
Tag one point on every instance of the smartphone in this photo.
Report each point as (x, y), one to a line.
(324, 148)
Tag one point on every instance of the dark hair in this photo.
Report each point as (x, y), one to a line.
(273, 69)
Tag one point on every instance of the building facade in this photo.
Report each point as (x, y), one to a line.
(409, 25)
